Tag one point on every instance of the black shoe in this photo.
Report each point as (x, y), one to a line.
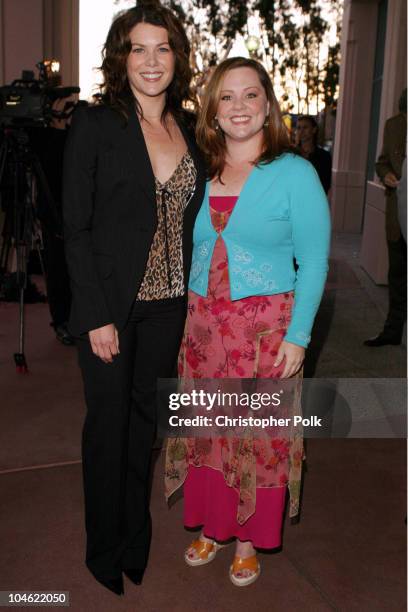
(63, 335)
(135, 575)
(383, 339)
(113, 584)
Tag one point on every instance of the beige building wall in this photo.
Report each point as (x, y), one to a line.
(21, 37)
(61, 36)
(32, 30)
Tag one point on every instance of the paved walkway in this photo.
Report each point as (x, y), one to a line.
(347, 553)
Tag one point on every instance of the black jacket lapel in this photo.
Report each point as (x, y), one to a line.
(138, 151)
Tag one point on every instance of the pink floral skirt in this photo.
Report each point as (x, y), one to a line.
(235, 487)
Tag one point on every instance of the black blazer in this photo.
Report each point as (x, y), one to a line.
(109, 208)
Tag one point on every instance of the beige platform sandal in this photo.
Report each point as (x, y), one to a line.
(206, 552)
(248, 563)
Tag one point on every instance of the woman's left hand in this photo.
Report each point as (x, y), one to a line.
(293, 354)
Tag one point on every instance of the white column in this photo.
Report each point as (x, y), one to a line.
(353, 114)
(395, 62)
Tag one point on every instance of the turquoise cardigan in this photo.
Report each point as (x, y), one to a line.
(281, 214)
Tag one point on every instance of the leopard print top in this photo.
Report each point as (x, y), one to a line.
(164, 277)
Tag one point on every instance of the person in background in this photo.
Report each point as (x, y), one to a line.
(306, 139)
(389, 170)
(402, 199)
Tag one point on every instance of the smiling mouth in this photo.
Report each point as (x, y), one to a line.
(151, 77)
(240, 119)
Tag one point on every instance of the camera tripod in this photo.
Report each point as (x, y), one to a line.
(21, 176)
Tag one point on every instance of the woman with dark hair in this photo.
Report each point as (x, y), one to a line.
(306, 138)
(133, 183)
(250, 313)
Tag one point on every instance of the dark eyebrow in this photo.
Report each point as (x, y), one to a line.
(140, 44)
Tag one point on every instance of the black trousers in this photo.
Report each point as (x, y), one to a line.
(58, 288)
(119, 432)
(397, 287)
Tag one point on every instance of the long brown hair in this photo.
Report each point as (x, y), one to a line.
(211, 140)
(115, 88)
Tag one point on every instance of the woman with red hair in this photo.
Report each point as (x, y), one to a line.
(250, 312)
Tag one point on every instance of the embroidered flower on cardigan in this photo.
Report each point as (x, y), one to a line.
(196, 269)
(270, 285)
(253, 277)
(204, 249)
(241, 255)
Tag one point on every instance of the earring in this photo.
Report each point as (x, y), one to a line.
(216, 124)
(266, 122)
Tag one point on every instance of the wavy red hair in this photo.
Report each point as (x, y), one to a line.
(211, 140)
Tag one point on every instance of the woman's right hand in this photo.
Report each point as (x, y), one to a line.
(105, 342)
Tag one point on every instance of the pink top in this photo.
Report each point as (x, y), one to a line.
(223, 203)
